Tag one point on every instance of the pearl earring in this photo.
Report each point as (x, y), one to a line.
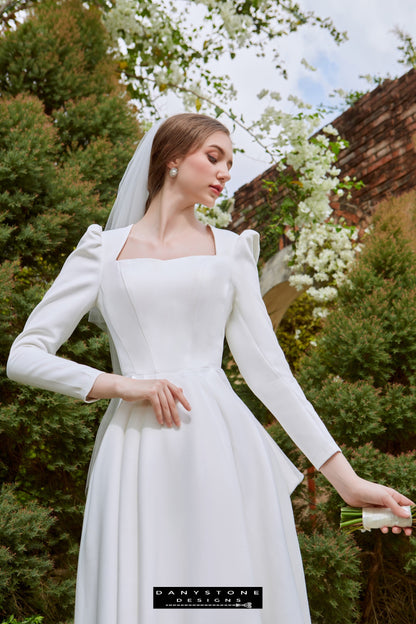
(173, 172)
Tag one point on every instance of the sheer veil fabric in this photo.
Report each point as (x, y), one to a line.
(128, 208)
(132, 191)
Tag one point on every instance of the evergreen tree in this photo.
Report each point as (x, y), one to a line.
(362, 380)
(67, 132)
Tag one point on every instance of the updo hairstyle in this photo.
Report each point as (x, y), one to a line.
(177, 136)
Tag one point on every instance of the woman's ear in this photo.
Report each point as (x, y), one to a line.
(173, 163)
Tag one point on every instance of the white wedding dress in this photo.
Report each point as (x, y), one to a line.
(205, 504)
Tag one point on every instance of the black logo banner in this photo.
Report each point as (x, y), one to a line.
(207, 597)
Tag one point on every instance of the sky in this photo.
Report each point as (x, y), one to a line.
(371, 49)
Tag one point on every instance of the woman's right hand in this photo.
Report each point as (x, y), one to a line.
(162, 394)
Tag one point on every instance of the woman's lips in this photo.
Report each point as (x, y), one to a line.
(217, 189)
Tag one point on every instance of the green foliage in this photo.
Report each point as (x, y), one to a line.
(332, 572)
(57, 60)
(67, 132)
(25, 565)
(361, 379)
(43, 206)
(407, 47)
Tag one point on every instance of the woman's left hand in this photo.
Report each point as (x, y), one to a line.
(358, 492)
(369, 494)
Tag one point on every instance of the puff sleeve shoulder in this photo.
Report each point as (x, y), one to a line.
(260, 359)
(32, 358)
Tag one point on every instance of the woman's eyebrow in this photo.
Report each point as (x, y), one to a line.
(230, 162)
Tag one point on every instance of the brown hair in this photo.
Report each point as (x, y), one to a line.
(176, 137)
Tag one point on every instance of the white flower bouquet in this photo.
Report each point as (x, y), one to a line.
(355, 518)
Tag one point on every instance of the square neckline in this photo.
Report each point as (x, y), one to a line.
(137, 258)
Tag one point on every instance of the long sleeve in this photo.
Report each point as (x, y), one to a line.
(261, 361)
(33, 358)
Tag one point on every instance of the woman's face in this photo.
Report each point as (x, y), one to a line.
(203, 173)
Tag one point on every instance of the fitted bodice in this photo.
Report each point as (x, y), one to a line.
(167, 314)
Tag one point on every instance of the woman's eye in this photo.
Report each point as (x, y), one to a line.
(212, 159)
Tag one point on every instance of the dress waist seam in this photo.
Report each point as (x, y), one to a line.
(173, 371)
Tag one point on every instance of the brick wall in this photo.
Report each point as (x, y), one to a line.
(381, 131)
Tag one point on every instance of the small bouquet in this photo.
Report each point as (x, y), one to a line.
(355, 518)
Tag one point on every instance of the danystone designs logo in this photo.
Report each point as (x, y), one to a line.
(207, 597)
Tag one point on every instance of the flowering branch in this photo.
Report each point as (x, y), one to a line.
(322, 250)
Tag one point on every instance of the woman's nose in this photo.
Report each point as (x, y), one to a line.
(224, 174)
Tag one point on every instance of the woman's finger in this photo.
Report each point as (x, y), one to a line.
(401, 499)
(179, 394)
(182, 398)
(157, 409)
(164, 403)
(173, 412)
(395, 501)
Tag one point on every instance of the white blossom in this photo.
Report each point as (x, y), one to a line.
(319, 312)
(329, 129)
(216, 216)
(323, 254)
(323, 251)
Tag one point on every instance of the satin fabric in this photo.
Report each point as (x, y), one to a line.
(205, 504)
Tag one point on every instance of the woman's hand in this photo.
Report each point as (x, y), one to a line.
(368, 494)
(162, 394)
(358, 492)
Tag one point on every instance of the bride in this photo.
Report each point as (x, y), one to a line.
(186, 488)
